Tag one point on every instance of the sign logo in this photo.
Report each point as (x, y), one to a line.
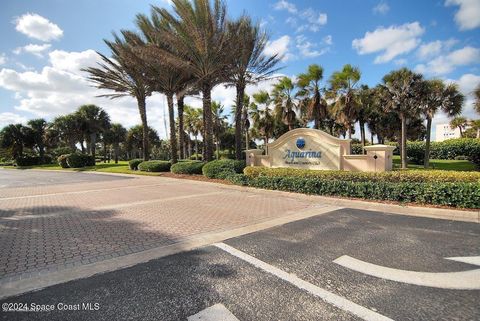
(300, 143)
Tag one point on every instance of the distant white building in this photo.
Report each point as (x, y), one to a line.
(444, 132)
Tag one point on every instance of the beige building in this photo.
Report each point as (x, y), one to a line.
(444, 132)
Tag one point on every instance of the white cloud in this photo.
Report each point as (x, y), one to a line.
(434, 48)
(36, 50)
(308, 49)
(392, 41)
(468, 15)
(73, 61)
(447, 63)
(38, 27)
(285, 5)
(400, 62)
(328, 40)
(11, 118)
(3, 58)
(278, 46)
(381, 8)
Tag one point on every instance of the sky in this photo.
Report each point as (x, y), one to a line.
(45, 44)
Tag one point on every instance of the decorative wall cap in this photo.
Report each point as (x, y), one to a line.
(379, 147)
(306, 132)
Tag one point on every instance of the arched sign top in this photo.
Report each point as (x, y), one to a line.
(300, 132)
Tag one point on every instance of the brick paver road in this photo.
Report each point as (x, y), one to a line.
(51, 227)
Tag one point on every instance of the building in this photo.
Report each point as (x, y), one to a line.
(444, 132)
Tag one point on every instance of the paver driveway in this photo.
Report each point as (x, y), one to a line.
(74, 221)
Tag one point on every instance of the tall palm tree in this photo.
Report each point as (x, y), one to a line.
(95, 121)
(282, 95)
(263, 117)
(68, 128)
(124, 74)
(402, 92)
(459, 122)
(344, 89)
(197, 40)
(13, 137)
(310, 94)
(115, 135)
(366, 98)
(218, 124)
(193, 124)
(249, 66)
(438, 96)
(38, 129)
(476, 93)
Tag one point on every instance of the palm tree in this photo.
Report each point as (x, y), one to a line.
(282, 95)
(135, 139)
(366, 98)
(193, 124)
(95, 121)
(13, 137)
(310, 95)
(476, 93)
(344, 89)
(115, 135)
(124, 74)
(218, 124)
(460, 123)
(401, 95)
(68, 128)
(249, 66)
(197, 40)
(263, 118)
(38, 130)
(436, 96)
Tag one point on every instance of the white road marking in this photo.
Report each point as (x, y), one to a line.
(329, 297)
(217, 312)
(464, 280)
(474, 260)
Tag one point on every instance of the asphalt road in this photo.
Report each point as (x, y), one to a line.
(179, 286)
(29, 178)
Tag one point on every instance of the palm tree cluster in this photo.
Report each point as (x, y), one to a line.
(188, 50)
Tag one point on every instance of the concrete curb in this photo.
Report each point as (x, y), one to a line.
(32, 284)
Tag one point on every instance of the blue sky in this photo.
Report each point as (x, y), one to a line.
(46, 43)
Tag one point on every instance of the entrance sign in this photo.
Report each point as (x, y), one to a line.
(314, 149)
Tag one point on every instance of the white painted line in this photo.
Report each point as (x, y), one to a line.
(217, 312)
(329, 297)
(465, 280)
(474, 260)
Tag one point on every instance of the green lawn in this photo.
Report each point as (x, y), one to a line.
(442, 164)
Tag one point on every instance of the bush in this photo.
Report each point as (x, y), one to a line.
(61, 151)
(154, 166)
(420, 176)
(356, 149)
(77, 160)
(223, 168)
(456, 194)
(189, 167)
(62, 160)
(27, 161)
(194, 157)
(133, 164)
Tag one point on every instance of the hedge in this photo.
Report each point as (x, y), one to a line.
(27, 161)
(223, 168)
(411, 176)
(133, 164)
(154, 166)
(77, 160)
(455, 194)
(190, 167)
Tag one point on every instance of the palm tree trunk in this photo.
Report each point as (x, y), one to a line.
(246, 139)
(93, 141)
(207, 122)
(362, 134)
(173, 135)
(181, 135)
(116, 147)
(371, 138)
(426, 161)
(238, 121)
(217, 141)
(403, 142)
(143, 116)
(104, 152)
(196, 147)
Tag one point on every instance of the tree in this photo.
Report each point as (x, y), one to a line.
(366, 98)
(124, 74)
(115, 135)
(263, 118)
(193, 124)
(249, 66)
(197, 41)
(460, 123)
(310, 95)
(438, 96)
(95, 121)
(38, 130)
(476, 93)
(401, 95)
(135, 139)
(344, 89)
(282, 95)
(13, 137)
(68, 128)
(218, 124)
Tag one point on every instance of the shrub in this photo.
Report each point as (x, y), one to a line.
(410, 176)
(61, 151)
(194, 157)
(356, 149)
(77, 160)
(133, 164)
(27, 160)
(62, 160)
(154, 166)
(190, 167)
(223, 168)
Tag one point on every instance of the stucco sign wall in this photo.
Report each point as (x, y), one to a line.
(314, 149)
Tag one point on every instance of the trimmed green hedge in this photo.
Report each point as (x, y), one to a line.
(223, 168)
(133, 164)
(27, 161)
(420, 176)
(154, 166)
(77, 160)
(190, 167)
(455, 194)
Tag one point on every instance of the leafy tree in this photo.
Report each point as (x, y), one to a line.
(14, 138)
(459, 122)
(310, 95)
(38, 131)
(219, 125)
(263, 118)
(95, 121)
(68, 129)
(282, 95)
(115, 135)
(476, 93)
(135, 139)
(366, 97)
(193, 123)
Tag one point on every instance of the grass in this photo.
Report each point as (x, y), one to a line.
(440, 164)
